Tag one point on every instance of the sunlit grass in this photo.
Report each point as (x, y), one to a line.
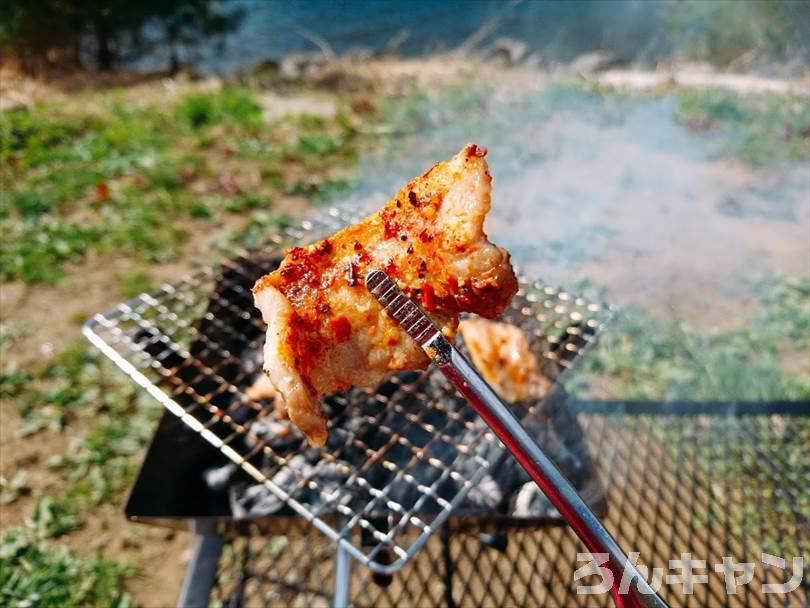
(759, 129)
(131, 182)
(646, 358)
(38, 572)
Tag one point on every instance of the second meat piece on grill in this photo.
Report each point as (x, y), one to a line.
(501, 353)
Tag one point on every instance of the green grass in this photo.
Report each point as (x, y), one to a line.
(12, 331)
(36, 572)
(233, 105)
(131, 181)
(759, 129)
(78, 387)
(645, 358)
(722, 31)
(11, 489)
(110, 423)
(135, 283)
(253, 233)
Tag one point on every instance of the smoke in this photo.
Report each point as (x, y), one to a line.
(614, 190)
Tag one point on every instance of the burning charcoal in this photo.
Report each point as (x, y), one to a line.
(354, 425)
(218, 478)
(400, 453)
(406, 493)
(296, 469)
(269, 429)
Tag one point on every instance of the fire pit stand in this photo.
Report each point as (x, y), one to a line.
(413, 486)
(399, 459)
(710, 479)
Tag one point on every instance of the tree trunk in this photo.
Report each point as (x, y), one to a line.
(104, 57)
(174, 62)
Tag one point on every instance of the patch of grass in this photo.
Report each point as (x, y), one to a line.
(35, 572)
(35, 250)
(721, 32)
(649, 359)
(12, 489)
(198, 110)
(53, 518)
(135, 283)
(759, 129)
(99, 463)
(50, 396)
(253, 233)
(11, 331)
(128, 180)
(145, 226)
(23, 130)
(72, 385)
(644, 358)
(246, 201)
(317, 143)
(321, 191)
(237, 106)
(785, 308)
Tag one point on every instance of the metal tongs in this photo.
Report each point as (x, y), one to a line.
(517, 440)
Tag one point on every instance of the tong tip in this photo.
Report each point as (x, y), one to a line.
(400, 308)
(374, 279)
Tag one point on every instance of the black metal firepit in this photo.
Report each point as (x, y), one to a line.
(399, 460)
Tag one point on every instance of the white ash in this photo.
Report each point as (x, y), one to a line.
(219, 478)
(269, 429)
(258, 500)
(531, 502)
(368, 423)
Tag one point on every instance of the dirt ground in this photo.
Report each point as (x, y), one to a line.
(162, 554)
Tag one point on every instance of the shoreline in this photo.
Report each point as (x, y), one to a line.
(320, 70)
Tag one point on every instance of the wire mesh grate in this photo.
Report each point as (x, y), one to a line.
(399, 459)
(716, 484)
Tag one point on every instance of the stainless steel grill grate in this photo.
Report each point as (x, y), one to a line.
(399, 459)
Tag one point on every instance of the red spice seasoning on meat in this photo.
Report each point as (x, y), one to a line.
(341, 327)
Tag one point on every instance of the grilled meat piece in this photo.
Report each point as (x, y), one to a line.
(501, 353)
(326, 332)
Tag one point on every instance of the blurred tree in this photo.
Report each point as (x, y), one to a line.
(47, 33)
(724, 31)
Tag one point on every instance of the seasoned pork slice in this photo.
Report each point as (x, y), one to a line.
(326, 332)
(501, 353)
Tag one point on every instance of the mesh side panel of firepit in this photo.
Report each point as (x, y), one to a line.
(712, 485)
(398, 460)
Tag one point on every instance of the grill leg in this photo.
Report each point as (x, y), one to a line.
(201, 572)
(343, 575)
(448, 567)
